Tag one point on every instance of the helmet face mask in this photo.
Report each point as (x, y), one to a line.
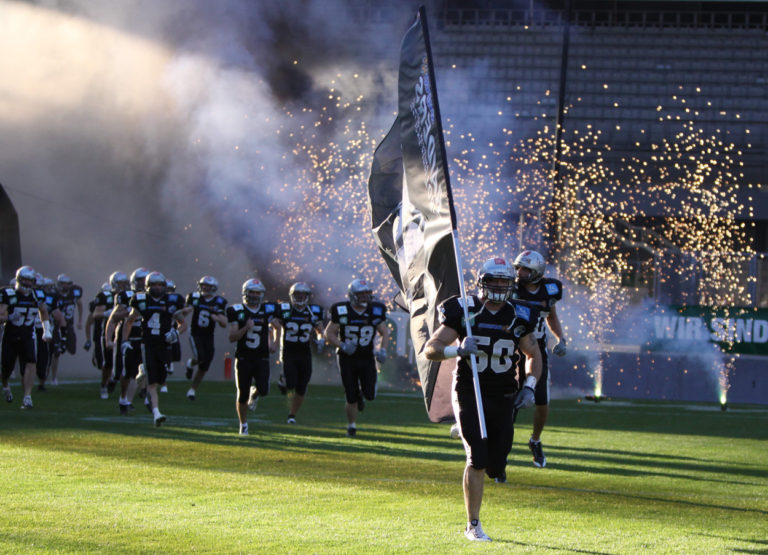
(64, 283)
(300, 293)
(207, 285)
(253, 293)
(496, 280)
(25, 279)
(118, 281)
(137, 279)
(155, 284)
(359, 293)
(533, 262)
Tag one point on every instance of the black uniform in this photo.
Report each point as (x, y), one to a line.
(156, 320)
(67, 342)
(295, 353)
(201, 330)
(358, 370)
(498, 336)
(549, 292)
(127, 366)
(252, 352)
(102, 357)
(43, 362)
(19, 335)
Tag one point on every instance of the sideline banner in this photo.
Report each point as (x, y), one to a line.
(734, 330)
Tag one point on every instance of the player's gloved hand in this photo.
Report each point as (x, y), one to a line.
(172, 337)
(524, 398)
(560, 349)
(381, 355)
(125, 346)
(468, 347)
(348, 348)
(87, 344)
(320, 343)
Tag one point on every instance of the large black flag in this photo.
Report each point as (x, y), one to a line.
(412, 210)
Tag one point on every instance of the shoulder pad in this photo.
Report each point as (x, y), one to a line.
(522, 311)
(10, 291)
(141, 296)
(341, 309)
(195, 295)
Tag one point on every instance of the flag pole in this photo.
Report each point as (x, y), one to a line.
(472, 359)
(455, 233)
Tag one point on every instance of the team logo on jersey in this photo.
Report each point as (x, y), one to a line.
(552, 288)
(522, 312)
(519, 331)
(377, 311)
(142, 306)
(342, 310)
(343, 320)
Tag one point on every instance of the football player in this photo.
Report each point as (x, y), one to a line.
(352, 330)
(44, 348)
(103, 305)
(208, 309)
(126, 363)
(158, 311)
(20, 307)
(70, 299)
(299, 325)
(500, 329)
(533, 287)
(252, 327)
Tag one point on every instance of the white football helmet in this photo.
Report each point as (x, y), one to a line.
(211, 284)
(25, 279)
(63, 283)
(359, 292)
(253, 292)
(300, 293)
(155, 284)
(118, 281)
(106, 287)
(137, 278)
(497, 269)
(534, 262)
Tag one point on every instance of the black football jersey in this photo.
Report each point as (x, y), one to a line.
(156, 314)
(105, 299)
(549, 292)
(124, 298)
(298, 326)
(356, 327)
(67, 302)
(497, 335)
(51, 301)
(23, 309)
(202, 324)
(255, 343)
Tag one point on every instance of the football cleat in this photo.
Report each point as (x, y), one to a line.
(123, 409)
(253, 399)
(539, 460)
(244, 429)
(103, 393)
(190, 369)
(191, 394)
(159, 419)
(26, 404)
(8, 394)
(501, 479)
(291, 419)
(455, 431)
(163, 389)
(474, 532)
(351, 431)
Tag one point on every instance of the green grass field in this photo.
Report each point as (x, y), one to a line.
(623, 477)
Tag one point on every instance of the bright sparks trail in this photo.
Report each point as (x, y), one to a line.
(689, 179)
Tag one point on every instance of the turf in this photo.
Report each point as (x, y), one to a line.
(622, 477)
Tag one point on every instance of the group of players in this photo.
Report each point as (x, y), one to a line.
(137, 322)
(134, 325)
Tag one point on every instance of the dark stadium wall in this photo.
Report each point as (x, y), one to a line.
(10, 241)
